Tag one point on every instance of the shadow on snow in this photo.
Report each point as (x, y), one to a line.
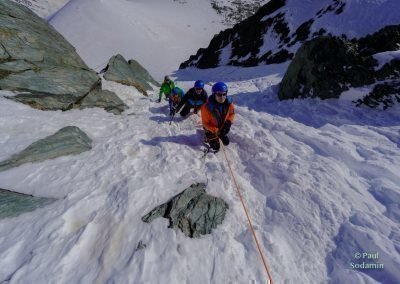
(316, 112)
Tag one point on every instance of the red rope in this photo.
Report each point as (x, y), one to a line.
(248, 217)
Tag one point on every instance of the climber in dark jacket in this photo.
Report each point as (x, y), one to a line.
(194, 98)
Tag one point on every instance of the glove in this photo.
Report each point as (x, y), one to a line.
(225, 128)
(210, 136)
(195, 110)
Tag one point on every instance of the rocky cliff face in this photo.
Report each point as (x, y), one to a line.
(275, 32)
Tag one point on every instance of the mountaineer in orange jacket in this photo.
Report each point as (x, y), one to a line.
(217, 116)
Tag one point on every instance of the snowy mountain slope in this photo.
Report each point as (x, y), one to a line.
(277, 30)
(231, 11)
(145, 29)
(141, 30)
(320, 179)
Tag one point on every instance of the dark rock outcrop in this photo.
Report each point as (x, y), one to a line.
(129, 73)
(193, 211)
(246, 38)
(36, 60)
(13, 204)
(69, 140)
(235, 11)
(383, 95)
(386, 39)
(326, 66)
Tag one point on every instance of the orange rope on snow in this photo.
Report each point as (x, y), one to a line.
(248, 217)
(269, 280)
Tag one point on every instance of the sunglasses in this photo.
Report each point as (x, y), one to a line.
(221, 94)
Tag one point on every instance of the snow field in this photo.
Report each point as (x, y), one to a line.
(159, 34)
(318, 178)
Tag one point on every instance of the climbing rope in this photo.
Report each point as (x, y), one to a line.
(248, 217)
(269, 280)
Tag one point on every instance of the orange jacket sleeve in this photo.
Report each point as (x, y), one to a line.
(207, 119)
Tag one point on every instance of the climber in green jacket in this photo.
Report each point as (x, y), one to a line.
(166, 87)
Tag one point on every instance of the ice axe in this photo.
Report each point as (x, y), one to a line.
(171, 119)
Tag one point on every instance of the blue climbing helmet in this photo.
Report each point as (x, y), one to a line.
(199, 84)
(220, 87)
(175, 91)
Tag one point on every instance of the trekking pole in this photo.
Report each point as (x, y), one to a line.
(171, 119)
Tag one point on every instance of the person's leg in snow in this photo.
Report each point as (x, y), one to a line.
(213, 141)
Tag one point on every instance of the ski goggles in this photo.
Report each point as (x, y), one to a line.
(221, 94)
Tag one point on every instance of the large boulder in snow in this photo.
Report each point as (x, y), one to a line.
(193, 211)
(326, 66)
(37, 63)
(142, 75)
(69, 140)
(129, 73)
(13, 204)
(103, 99)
